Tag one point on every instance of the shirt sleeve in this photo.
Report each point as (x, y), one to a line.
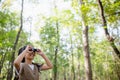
(38, 66)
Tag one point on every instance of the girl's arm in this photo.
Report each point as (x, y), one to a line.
(18, 60)
(48, 64)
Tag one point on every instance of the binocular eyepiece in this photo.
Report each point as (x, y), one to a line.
(33, 49)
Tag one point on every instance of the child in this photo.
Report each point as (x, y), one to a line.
(25, 68)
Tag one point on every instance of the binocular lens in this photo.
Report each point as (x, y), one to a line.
(33, 49)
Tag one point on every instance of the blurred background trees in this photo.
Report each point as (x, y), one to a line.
(56, 27)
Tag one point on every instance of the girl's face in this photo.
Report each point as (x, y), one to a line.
(30, 56)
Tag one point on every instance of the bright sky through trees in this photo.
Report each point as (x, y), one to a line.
(32, 13)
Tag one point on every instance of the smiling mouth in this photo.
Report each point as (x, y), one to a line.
(32, 54)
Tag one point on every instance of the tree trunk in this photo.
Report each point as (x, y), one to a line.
(78, 66)
(10, 70)
(56, 52)
(88, 70)
(104, 23)
(79, 71)
(118, 71)
(72, 68)
(55, 63)
(117, 68)
(2, 61)
(64, 73)
(57, 46)
(86, 52)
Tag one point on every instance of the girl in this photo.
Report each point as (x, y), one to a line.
(25, 68)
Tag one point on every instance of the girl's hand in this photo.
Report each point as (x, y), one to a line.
(28, 49)
(40, 52)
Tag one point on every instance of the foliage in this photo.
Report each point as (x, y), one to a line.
(104, 64)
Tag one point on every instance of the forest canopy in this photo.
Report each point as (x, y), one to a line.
(80, 37)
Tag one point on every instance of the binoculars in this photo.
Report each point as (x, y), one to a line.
(33, 49)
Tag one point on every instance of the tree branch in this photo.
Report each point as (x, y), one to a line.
(104, 23)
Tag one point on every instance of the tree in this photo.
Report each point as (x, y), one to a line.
(56, 51)
(104, 25)
(86, 52)
(10, 71)
(7, 33)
